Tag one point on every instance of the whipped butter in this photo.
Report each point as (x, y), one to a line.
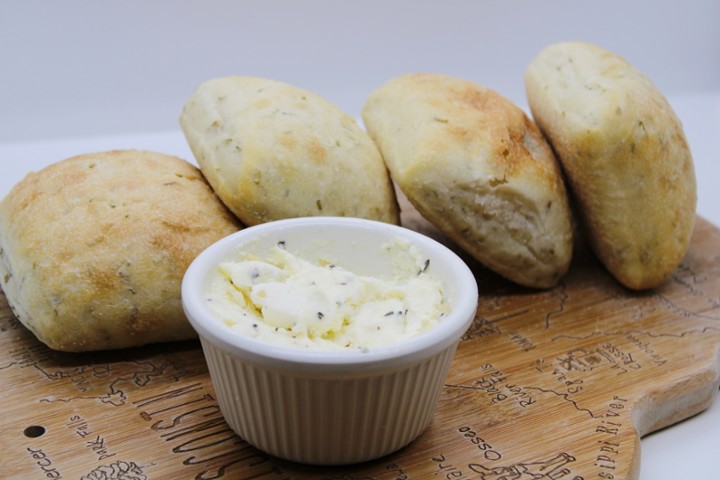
(286, 300)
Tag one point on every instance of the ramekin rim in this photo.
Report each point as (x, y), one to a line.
(409, 350)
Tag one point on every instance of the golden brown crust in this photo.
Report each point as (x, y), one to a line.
(272, 151)
(474, 165)
(94, 248)
(625, 156)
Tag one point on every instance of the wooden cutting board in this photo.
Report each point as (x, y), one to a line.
(552, 385)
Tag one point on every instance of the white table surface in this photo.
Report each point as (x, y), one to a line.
(81, 76)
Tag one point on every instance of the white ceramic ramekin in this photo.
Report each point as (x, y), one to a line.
(330, 407)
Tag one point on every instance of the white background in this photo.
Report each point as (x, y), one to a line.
(80, 76)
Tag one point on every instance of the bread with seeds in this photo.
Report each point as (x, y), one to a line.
(625, 155)
(93, 249)
(272, 150)
(477, 167)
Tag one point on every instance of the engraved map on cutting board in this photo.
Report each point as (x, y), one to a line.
(549, 385)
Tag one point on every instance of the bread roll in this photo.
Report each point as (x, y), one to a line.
(93, 248)
(475, 166)
(273, 151)
(625, 156)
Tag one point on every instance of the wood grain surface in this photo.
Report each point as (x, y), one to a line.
(556, 384)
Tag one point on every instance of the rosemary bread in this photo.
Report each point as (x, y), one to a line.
(93, 248)
(625, 156)
(271, 151)
(476, 167)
